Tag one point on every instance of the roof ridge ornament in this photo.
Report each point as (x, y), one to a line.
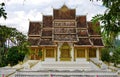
(64, 8)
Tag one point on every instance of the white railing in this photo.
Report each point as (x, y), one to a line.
(66, 73)
(7, 71)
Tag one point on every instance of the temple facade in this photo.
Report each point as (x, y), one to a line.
(64, 36)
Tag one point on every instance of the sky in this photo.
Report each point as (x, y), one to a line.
(21, 12)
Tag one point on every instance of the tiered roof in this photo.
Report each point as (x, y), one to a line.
(64, 13)
(65, 26)
(34, 28)
(81, 21)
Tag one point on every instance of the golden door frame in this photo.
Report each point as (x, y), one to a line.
(65, 50)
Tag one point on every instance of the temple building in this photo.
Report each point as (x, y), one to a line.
(64, 36)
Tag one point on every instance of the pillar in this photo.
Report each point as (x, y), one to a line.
(55, 50)
(58, 52)
(97, 53)
(75, 54)
(86, 54)
(72, 53)
(44, 53)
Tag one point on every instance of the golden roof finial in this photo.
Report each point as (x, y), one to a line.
(64, 8)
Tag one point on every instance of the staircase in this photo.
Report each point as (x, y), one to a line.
(64, 65)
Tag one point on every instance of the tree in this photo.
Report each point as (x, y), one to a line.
(116, 56)
(2, 11)
(110, 20)
(105, 55)
(15, 37)
(110, 29)
(14, 56)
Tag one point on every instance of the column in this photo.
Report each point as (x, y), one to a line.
(72, 53)
(44, 53)
(86, 54)
(58, 53)
(55, 50)
(75, 54)
(97, 53)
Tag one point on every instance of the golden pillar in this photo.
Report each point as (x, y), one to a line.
(44, 53)
(87, 54)
(56, 54)
(42, 58)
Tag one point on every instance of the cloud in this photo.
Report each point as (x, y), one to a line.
(20, 12)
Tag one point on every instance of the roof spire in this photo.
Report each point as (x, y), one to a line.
(64, 8)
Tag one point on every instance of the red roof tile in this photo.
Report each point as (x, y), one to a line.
(84, 41)
(34, 40)
(81, 22)
(46, 42)
(97, 41)
(34, 28)
(47, 21)
(46, 32)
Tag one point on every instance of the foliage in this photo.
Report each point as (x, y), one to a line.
(14, 56)
(116, 56)
(3, 60)
(105, 55)
(12, 36)
(2, 11)
(110, 24)
(15, 37)
(110, 20)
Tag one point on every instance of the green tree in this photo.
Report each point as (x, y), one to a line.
(110, 20)
(14, 56)
(2, 11)
(105, 55)
(110, 28)
(116, 56)
(15, 37)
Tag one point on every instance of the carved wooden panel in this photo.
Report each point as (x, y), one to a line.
(92, 52)
(64, 23)
(49, 53)
(83, 33)
(64, 30)
(80, 53)
(65, 53)
(65, 37)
